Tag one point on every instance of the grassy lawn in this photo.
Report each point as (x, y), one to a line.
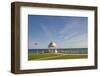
(38, 56)
(50, 56)
(70, 57)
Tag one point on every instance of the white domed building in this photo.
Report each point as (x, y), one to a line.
(52, 47)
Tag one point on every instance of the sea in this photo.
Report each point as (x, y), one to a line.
(60, 50)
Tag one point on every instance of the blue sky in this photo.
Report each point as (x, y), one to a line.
(65, 31)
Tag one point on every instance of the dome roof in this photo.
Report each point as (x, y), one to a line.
(52, 44)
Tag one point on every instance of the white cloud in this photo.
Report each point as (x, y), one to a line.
(71, 35)
(78, 41)
(48, 33)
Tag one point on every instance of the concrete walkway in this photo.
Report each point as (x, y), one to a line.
(59, 56)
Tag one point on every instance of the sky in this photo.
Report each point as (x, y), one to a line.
(65, 31)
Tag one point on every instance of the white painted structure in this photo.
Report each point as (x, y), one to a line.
(52, 46)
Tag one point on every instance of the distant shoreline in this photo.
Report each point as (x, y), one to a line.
(60, 48)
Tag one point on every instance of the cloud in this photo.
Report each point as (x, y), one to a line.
(71, 35)
(47, 32)
(73, 25)
(78, 41)
(74, 29)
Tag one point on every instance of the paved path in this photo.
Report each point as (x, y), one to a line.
(58, 56)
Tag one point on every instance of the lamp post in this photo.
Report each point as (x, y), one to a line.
(36, 45)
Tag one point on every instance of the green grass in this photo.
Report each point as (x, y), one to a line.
(37, 56)
(70, 57)
(59, 56)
